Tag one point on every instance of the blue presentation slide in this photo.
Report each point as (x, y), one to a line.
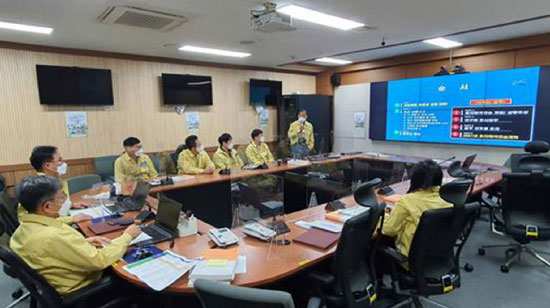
(489, 108)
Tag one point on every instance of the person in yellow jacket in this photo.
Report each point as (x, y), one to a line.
(59, 253)
(134, 164)
(194, 160)
(423, 195)
(225, 157)
(300, 134)
(258, 152)
(47, 160)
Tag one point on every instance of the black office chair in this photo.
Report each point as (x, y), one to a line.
(524, 217)
(533, 148)
(434, 254)
(533, 163)
(352, 281)
(365, 194)
(44, 295)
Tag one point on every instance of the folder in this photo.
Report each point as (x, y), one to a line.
(229, 254)
(318, 238)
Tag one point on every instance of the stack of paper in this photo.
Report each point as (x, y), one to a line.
(161, 270)
(219, 265)
(344, 214)
(94, 212)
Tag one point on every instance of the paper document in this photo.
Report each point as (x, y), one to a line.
(103, 195)
(140, 238)
(94, 212)
(241, 265)
(160, 271)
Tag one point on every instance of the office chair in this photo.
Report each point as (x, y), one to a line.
(365, 195)
(352, 281)
(156, 162)
(43, 294)
(19, 294)
(250, 196)
(524, 217)
(82, 182)
(214, 294)
(434, 254)
(531, 163)
(533, 148)
(105, 167)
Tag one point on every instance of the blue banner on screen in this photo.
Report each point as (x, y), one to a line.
(497, 108)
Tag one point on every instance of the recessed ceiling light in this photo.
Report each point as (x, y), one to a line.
(316, 17)
(212, 51)
(26, 28)
(333, 61)
(443, 42)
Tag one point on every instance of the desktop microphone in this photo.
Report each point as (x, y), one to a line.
(446, 160)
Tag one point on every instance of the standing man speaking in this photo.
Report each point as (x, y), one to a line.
(300, 133)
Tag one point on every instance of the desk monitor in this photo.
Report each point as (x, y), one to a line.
(468, 161)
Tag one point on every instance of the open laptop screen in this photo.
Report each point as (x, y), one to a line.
(168, 213)
(468, 161)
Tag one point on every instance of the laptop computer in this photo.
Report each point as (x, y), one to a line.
(134, 202)
(166, 223)
(468, 162)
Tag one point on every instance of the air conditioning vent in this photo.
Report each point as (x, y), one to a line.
(141, 18)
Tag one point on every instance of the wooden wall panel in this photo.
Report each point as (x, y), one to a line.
(533, 57)
(138, 110)
(381, 74)
(497, 61)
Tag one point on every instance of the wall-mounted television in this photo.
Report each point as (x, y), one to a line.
(63, 85)
(265, 92)
(186, 89)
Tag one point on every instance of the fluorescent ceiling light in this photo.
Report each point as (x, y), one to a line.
(443, 42)
(212, 51)
(26, 28)
(319, 18)
(333, 61)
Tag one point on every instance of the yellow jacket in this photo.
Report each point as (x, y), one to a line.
(259, 155)
(64, 185)
(403, 220)
(61, 254)
(127, 169)
(225, 160)
(294, 133)
(193, 164)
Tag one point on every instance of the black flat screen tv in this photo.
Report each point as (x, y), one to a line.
(265, 92)
(63, 85)
(186, 89)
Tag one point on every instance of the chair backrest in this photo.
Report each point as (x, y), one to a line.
(533, 162)
(8, 218)
(214, 294)
(537, 147)
(174, 157)
(525, 201)
(352, 265)
(432, 254)
(41, 291)
(105, 166)
(365, 194)
(249, 195)
(156, 162)
(82, 182)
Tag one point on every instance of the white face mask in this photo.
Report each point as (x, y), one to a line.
(302, 120)
(262, 139)
(64, 209)
(139, 152)
(201, 148)
(230, 146)
(62, 169)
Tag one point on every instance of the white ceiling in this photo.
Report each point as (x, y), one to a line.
(223, 23)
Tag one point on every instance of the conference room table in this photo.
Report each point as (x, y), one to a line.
(265, 263)
(210, 196)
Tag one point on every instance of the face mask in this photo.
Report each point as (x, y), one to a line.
(62, 169)
(139, 152)
(64, 209)
(201, 148)
(230, 146)
(262, 139)
(302, 120)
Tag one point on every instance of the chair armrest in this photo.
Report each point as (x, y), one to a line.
(395, 255)
(324, 280)
(96, 288)
(314, 302)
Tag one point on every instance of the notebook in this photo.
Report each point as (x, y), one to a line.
(318, 238)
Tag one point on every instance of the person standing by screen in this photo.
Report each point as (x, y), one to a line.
(300, 134)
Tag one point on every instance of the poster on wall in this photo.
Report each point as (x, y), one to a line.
(359, 124)
(192, 122)
(77, 124)
(264, 118)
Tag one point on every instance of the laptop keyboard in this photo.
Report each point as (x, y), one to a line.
(155, 233)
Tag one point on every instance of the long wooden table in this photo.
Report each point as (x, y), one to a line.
(283, 261)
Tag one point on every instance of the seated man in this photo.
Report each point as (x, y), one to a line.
(134, 164)
(59, 253)
(47, 160)
(194, 160)
(258, 152)
(300, 134)
(423, 195)
(225, 157)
